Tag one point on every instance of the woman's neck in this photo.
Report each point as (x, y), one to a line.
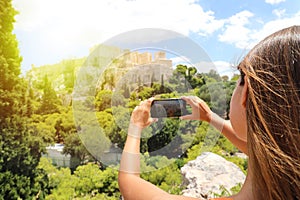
(246, 192)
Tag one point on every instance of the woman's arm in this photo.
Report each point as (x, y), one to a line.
(133, 187)
(201, 111)
(225, 127)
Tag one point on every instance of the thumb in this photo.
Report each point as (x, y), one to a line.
(151, 121)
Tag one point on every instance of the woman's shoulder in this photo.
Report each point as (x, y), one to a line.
(222, 198)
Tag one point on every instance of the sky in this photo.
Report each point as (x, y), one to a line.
(49, 31)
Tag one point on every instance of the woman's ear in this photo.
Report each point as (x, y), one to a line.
(244, 92)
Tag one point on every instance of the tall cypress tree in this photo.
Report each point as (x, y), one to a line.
(50, 101)
(10, 60)
(20, 151)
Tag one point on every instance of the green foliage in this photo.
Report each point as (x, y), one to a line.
(32, 106)
(162, 172)
(69, 74)
(229, 87)
(145, 93)
(168, 95)
(50, 102)
(108, 80)
(87, 182)
(225, 192)
(106, 121)
(193, 152)
(15, 186)
(9, 52)
(77, 150)
(226, 145)
(61, 182)
(242, 163)
(164, 131)
(20, 151)
(114, 122)
(103, 100)
(57, 126)
(185, 78)
(236, 189)
(10, 63)
(43, 131)
(20, 154)
(62, 75)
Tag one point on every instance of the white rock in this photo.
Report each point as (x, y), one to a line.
(206, 175)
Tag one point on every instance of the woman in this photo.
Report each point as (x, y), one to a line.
(265, 111)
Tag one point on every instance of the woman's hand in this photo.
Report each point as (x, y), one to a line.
(141, 114)
(200, 110)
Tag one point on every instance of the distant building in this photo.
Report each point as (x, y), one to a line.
(144, 58)
(135, 69)
(54, 152)
(160, 55)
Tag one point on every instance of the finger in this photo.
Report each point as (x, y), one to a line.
(195, 99)
(141, 103)
(153, 120)
(150, 121)
(189, 100)
(144, 104)
(185, 117)
(151, 99)
(148, 102)
(135, 108)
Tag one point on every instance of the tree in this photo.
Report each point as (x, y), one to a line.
(77, 150)
(114, 123)
(19, 158)
(108, 80)
(60, 124)
(214, 75)
(185, 78)
(30, 103)
(50, 101)
(69, 74)
(178, 78)
(9, 62)
(145, 93)
(20, 152)
(87, 182)
(164, 173)
(164, 132)
(126, 91)
(103, 100)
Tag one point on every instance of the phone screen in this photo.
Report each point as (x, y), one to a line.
(168, 108)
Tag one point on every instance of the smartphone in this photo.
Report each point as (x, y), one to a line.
(168, 108)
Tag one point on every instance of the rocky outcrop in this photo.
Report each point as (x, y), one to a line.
(208, 174)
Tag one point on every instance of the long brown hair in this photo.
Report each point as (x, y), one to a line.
(272, 70)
